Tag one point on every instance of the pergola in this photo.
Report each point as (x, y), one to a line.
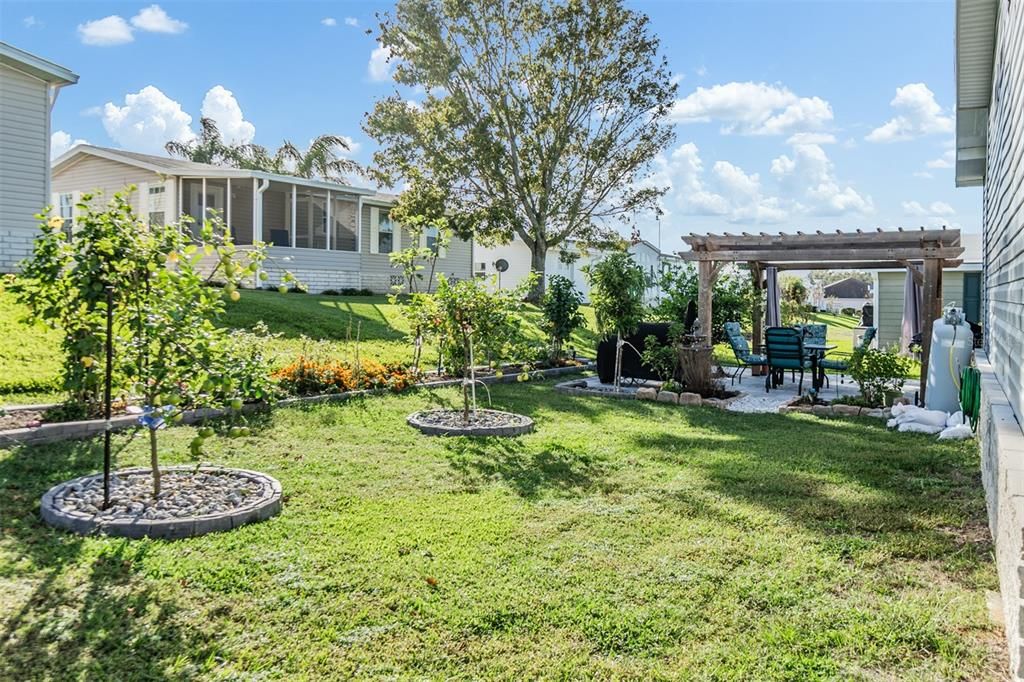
(931, 250)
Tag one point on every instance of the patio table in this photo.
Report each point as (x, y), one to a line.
(818, 351)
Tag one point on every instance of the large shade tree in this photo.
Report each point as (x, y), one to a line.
(540, 121)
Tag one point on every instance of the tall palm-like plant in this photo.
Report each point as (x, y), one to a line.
(209, 147)
(321, 159)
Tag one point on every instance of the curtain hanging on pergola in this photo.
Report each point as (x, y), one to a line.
(772, 311)
(912, 311)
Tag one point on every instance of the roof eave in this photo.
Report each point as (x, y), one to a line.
(36, 66)
(975, 59)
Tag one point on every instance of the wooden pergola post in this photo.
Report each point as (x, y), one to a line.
(707, 273)
(931, 308)
(756, 317)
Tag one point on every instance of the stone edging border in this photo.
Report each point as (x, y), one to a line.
(50, 433)
(649, 393)
(835, 410)
(166, 529)
(525, 426)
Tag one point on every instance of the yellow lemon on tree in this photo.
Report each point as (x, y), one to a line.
(87, 361)
(234, 295)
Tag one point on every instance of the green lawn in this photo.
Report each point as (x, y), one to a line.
(31, 353)
(622, 540)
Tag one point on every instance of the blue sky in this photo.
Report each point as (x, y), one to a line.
(791, 115)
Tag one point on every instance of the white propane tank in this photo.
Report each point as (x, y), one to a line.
(952, 342)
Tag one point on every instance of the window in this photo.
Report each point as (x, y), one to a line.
(157, 189)
(67, 211)
(385, 234)
(156, 218)
(431, 238)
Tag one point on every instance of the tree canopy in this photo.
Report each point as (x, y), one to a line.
(540, 120)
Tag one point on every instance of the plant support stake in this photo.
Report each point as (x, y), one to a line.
(107, 379)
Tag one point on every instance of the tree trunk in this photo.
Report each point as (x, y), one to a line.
(154, 463)
(538, 260)
(618, 361)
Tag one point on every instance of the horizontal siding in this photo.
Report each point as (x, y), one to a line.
(104, 178)
(379, 274)
(24, 145)
(889, 316)
(1003, 206)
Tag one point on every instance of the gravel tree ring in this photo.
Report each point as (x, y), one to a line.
(483, 423)
(194, 501)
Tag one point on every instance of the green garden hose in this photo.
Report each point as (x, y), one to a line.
(970, 395)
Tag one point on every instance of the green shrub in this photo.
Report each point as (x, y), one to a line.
(562, 316)
(879, 373)
(732, 297)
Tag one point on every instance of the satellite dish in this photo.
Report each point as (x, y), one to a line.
(501, 265)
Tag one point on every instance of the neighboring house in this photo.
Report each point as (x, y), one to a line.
(28, 90)
(961, 286)
(331, 236)
(846, 293)
(567, 259)
(648, 257)
(989, 151)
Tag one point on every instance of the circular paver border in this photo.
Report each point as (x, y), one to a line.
(260, 509)
(524, 425)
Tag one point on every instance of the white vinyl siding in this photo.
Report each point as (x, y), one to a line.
(24, 161)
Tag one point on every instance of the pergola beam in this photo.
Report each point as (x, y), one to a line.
(892, 238)
(855, 265)
(824, 254)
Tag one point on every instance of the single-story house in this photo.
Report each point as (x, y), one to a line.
(330, 235)
(989, 148)
(846, 293)
(961, 286)
(28, 90)
(568, 259)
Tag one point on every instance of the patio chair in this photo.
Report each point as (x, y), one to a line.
(741, 349)
(815, 333)
(842, 364)
(784, 347)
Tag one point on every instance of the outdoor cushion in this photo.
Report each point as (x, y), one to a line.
(838, 365)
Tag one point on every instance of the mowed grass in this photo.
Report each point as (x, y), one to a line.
(621, 540)
(31, 353)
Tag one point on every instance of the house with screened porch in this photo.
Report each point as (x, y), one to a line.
(330, 235)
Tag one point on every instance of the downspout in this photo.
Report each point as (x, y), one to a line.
(257, 209)
(359, 235)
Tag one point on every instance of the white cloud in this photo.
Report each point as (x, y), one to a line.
(61, 141)
(329, 21)
(810, 178)
(351, 21)
(379, 68)
(735, 194)
(936, 209)
(811, 138)
(147, 121)
(155, 20)
(112, 30)
(701, 71)
(220, 105)
(31, 22)
(918, 114)
(923, 174)
(947, 160)
(753, 109)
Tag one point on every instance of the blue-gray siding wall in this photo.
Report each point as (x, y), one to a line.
(1004, 209)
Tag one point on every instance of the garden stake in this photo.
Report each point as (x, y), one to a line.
(106, 395)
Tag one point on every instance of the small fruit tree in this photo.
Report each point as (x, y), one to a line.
(154, 282)
(468, 315)
(617, 287)
(562, 316)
